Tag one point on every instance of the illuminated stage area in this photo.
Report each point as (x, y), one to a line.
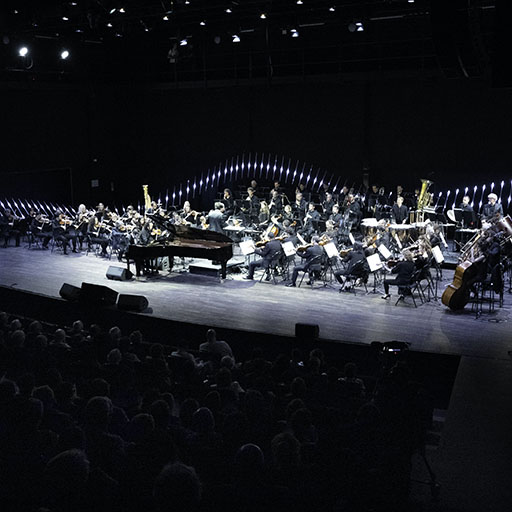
(275, 309)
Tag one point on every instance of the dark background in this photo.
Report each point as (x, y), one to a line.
(456, 133)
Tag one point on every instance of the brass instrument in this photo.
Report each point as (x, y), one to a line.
(345, 252)
(424, 199)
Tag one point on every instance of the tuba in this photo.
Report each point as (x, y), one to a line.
(424, 199)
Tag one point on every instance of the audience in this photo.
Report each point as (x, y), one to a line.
(93, 420)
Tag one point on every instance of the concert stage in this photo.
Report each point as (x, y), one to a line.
(275, 309)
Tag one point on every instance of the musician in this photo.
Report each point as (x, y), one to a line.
(7, 227)
(331, 231)
(251, 206)
(277, 188)
(100, 211)
(468, 214)
(342, 199)
(336, 216)
(399, 193)
(188, 216)
(492, 210)
(61, 233)
(97, 233)
(327, 205)
(288, 213)
(356, 264)
(41, 227)
(264, 215)
(373, 199)
(324, 192)
(155, 208)
(120, 239)
(299, 207)
(352, 211)
(403, 270)
(217, 218)
(310, 223)
(276, 202)
(311, 256)
(268, 252)
(228, 202)
(400, 212)
(81, 221)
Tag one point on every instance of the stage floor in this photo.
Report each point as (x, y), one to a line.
(275, 309)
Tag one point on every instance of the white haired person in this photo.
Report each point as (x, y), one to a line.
(492, 210)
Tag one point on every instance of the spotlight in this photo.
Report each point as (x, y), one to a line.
(236, 38)
(355, 26)
(122, 10)
(228, 10)
(263, 16)
(183, 42)
(202, 23)
(299, 2)
(64, 54)
(166, 18)
(65, 18)
(23, 51)
(112, 11)
(294, 32)
(332, 9)
(109, 25)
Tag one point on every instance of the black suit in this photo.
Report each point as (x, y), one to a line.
(312, 256)
(399, 213)
(268, 252)
(404, 271)
(492, 211)
(356, 265)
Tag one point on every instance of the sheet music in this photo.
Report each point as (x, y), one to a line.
(288, 249)
(386, 253)
(374, 262)
(438, 255)
(247, 247)
(330, 250)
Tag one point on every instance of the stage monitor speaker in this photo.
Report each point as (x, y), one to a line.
(98, 294)
(70, 292)
(119, 274)
(132, 302)
(307, 331)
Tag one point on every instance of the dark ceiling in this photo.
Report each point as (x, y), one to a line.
(279, 40)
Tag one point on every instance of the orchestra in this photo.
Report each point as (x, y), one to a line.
(401, 230)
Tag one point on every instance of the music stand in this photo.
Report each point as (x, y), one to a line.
(375, 264)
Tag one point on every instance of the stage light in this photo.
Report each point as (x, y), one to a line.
(64, 54)
(294, 32)
(332, 9)
(166, 18)
(109, 25)
(410, 1)
(236, 39)
(466, 190)
(65, 18)
(113, 10)
(202, 23)
(122, 10)
(356, 26)
(299, 2)
(492, 186)
(23, 51)
(228, 10)
(183, 42)
(187, 2)
(263, 16)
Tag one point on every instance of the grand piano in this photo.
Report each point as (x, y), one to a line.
(182, 241)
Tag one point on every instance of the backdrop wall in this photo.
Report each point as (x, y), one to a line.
(452, 132)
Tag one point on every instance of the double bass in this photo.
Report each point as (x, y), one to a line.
(457, 294)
